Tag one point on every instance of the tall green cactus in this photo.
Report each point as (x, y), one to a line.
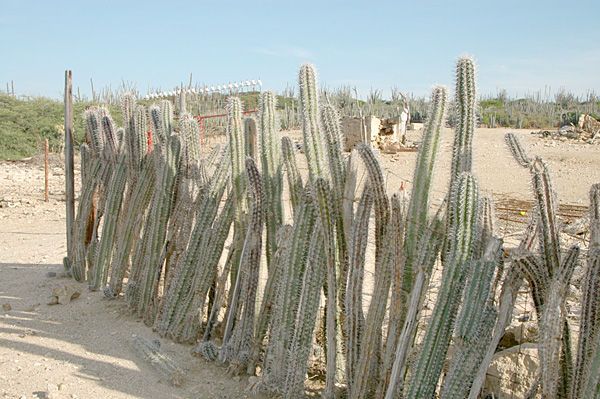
(311, 122)
(180, 293)
(474, 325)
(268, 128)
(286, 304)
(161, 209)
(113, 208)
(294, 178)
(462, 236)
(421, 246)
(466, 99)
(248, 271)
(371, 339)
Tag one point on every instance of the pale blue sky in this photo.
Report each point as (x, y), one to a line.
(521, 46)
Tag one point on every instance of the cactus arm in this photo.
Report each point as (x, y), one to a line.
(516, 148)
(372, 335)
(140, 199)
(293, 175)
(399, 298)
(466, 98)
(162, 206)
(325, 204)
(266, 309)
(546, 207)
(311, 123)
(508, 296)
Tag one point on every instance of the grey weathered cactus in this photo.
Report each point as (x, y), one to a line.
(552, 327)
(421, 245)
(151, 351)
(546, 274)
(589, 324)
(286, 304)
(107, 240)
(248, 271)
(355, 319)
(180, 294)
(308, 308)
(371, 339)
(132, 226)
(399, 298)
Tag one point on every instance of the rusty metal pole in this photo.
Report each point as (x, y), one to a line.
(46, 170)
(69, 162)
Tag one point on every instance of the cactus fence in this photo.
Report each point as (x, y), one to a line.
(183, 233)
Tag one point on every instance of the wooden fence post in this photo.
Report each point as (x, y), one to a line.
(46, 171)
(69, 162)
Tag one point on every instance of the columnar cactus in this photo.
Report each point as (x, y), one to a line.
(132, 226)
(466, 98)
(308, 308)
(311, 122)
(180, 293)
(247, 278)
(589, 324)
(371, 339)
(462, 236)
(286, 304)
(548, 276)
(111, 216)
(293, 174)
(475, 323)
(355, 318)
(268, 128)
(161, 209)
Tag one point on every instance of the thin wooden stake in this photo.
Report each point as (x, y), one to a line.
(69, 162)
(46, 170)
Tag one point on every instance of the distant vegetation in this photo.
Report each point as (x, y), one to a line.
(25, 122)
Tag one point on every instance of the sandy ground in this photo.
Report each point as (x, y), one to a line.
(81, 349)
